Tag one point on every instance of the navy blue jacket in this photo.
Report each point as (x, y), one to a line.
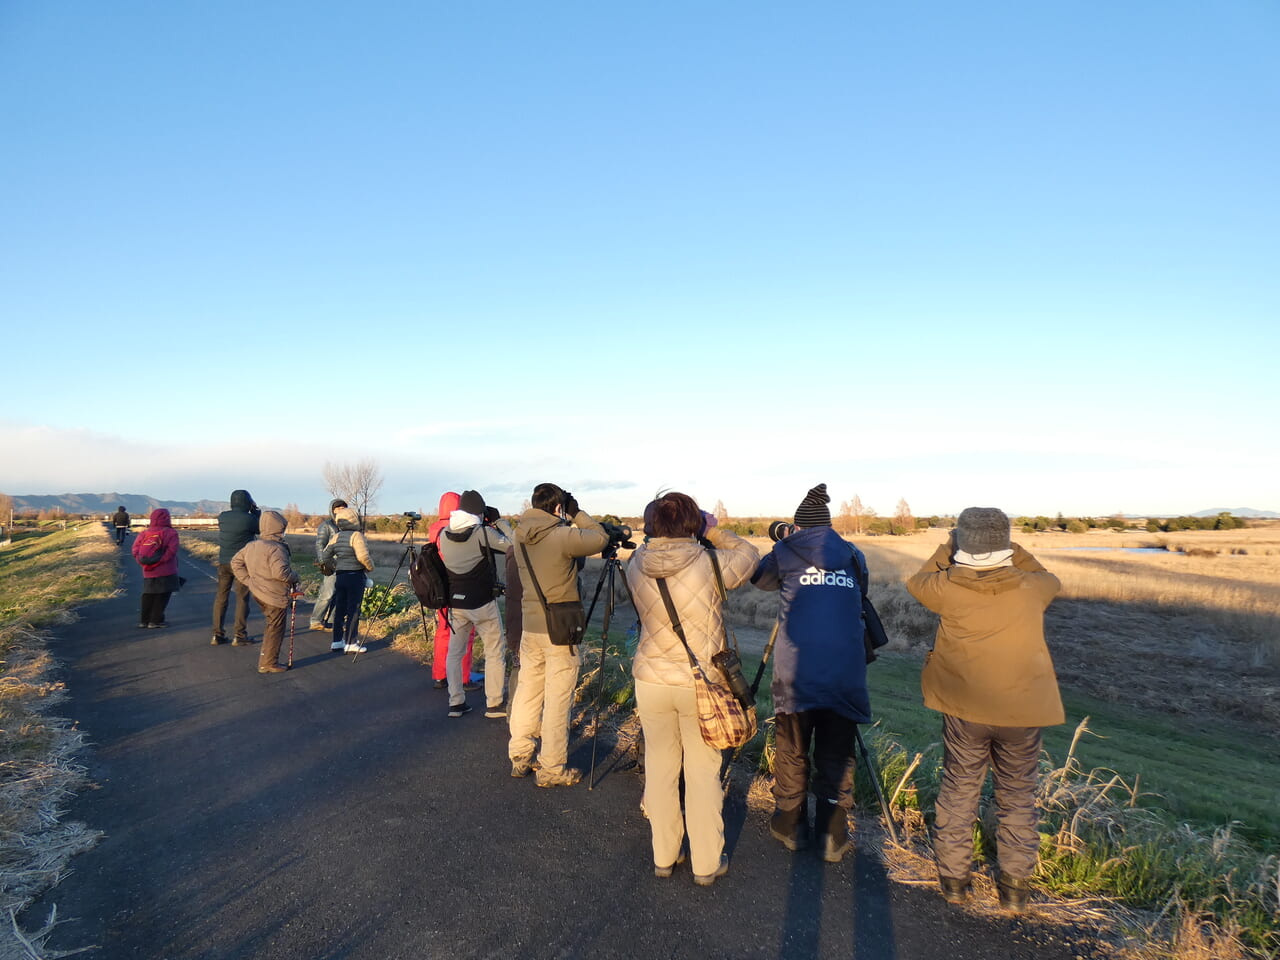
(237, 526)
(819, 660)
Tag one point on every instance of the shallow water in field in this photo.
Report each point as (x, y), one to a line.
(1112, 549)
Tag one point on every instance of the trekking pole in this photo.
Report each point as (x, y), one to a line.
(293, 621)
(874, 774)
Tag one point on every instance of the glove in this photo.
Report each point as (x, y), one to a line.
(570, 506)
(708, 521)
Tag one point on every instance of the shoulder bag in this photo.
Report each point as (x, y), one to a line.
(566, 621)
(724, 722)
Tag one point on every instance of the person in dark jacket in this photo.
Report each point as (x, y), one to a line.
(120, 519)
(156, 551)
(322, 609)
(349, 553)
(819, 675)
(236, 527)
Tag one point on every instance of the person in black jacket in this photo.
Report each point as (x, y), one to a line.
(121, 520)
(236, 527)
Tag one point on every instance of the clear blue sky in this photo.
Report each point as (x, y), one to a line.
(1016, 254)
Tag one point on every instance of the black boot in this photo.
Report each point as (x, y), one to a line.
(953, 890)
(833, 834)
(1014, 892)
(791, 828)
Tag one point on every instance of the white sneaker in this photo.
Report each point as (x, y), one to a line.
(337, 645)
(356, 648)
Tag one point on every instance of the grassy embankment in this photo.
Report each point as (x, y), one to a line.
(41, 578)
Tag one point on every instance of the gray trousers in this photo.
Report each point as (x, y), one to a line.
(1013, 754)
(322, 609)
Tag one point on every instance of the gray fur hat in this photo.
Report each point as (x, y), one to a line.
(982, 530)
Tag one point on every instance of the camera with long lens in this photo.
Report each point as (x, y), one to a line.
(727, 662)
(780, 530)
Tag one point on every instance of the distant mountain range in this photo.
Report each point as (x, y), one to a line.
(94, 504)
(1236, 512)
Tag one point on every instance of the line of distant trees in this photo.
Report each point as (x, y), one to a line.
(1222, 521)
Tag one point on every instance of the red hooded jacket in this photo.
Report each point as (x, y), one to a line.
(448, 503)
(168, 565)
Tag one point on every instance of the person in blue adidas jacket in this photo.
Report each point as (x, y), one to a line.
(819, 676)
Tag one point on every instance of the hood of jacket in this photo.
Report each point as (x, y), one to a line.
(333, 505)
(449, 502)
(271, 526)
(819, 546)
(160, 517)
(990, 582)
(666, 556)
(240, 500)
(535, 524)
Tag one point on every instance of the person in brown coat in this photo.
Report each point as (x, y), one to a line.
(991, 677)
(263, 565)
(552, 534)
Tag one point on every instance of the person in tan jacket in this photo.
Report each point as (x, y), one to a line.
(263, 565)
(551, 535)
(991, 677)
(665, 697)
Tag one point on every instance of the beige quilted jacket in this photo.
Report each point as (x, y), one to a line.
(660, 657)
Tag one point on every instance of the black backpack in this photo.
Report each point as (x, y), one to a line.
(429, 578)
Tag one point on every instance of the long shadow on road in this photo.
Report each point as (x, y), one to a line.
(335, 812)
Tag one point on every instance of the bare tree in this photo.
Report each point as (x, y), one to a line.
(859, 514)
(902, 516)
(357, 483)
(720, 513)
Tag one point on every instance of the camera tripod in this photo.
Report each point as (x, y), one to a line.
(859, 745)
(608, 577)
(409, 553)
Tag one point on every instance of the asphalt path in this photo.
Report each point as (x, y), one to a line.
(335, 812)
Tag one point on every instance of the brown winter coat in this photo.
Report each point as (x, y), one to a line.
(263, 564)
(684, 563)
(989, 662)
(552, 548)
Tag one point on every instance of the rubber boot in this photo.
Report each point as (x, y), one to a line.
(1014, 892)
(790, 828)
(833, 835)
(954, 890)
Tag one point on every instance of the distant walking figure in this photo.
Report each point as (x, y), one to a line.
(156, 550)
(121, 521)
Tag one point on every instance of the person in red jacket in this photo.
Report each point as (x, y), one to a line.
(440, 653)
(156, 550)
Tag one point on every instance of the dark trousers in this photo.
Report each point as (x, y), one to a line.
(348, 591)
(120, 534)
(272, 633)
(227, 580)
(153, 605)
(832, 736)
(1013, 755)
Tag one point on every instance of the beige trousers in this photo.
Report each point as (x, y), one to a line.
(488, 625)
(548, 677)
(672, 739)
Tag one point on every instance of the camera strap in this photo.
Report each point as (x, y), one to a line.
(675, 622)
(729, 639)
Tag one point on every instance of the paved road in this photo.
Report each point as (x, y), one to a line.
(335, 812)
